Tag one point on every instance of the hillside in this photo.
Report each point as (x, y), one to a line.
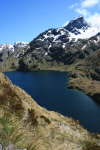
(27, 125)
(85, 76)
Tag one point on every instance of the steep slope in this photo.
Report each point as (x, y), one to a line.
(64, 45)
(58, 55)
(39, 128)
(74, 30)
(86, 75)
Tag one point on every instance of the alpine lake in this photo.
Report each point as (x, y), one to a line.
(50, 90)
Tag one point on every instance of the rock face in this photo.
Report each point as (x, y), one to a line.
(27, 125)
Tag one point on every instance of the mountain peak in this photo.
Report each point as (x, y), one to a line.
(75, 25)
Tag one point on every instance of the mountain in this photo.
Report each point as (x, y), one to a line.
(77, 40)
(62, 48)
(80, 29)
(66, 45)
(10, 49)
(63, 45)
(77, 24)
(74, 48)
(10, 53)
(72, 32)
(60, 45)
(60, 37)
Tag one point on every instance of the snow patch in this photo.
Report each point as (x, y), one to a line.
(9, 47)
(21, 44)
(46, 54)
(64, 45)
(84, 34)
(84, 47)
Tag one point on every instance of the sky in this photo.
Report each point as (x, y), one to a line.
(23, 20)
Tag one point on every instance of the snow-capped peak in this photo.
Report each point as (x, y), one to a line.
(85, 34)
(76, 29)
(20, 44)
(81, 29)
(11, 47)
(75, 25)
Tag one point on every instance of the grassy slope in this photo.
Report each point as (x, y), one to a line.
(37, 128)
(85, 75)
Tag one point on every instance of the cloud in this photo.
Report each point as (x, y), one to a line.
(73, 6)
(82, 11)
(84, 8)
(66, 23)
(89, 3)
(94, 19)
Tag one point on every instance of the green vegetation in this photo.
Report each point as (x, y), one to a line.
(85, 76)
(9, 132)
(90, 146)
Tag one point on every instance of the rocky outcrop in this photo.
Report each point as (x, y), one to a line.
(27, 125)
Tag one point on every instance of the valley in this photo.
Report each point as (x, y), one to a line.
(64, 49)
(50, 75)
(71, 52)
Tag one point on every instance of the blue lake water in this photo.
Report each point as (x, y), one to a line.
(49, 89)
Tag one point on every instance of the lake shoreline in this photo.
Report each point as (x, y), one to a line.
(56, 101)
(73, 80)
(37, 125)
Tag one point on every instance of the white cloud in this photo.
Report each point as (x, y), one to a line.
(83, 8)
(73, 6)
(94, 19)
(89, 3)
(82, 11)
(66, 23)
